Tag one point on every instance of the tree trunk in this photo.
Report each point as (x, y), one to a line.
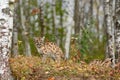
(61, 23)
(55, 30)
(82, 14)
(15, 42)
(6, 28)
(15, 31)
(67, 42)
(41, 18)
(54, 16)
(61, 14)
(69, 25)
(24, 33)
(117, 30)
(97, 19)
(110, 51)
(91, 9)
(77, 16)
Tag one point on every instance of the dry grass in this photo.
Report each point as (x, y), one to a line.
(31, 68)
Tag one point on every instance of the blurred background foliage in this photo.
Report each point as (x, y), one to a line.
(88, 46)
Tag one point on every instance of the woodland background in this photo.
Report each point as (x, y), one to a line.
(61, 21)
(88, 32)
(75, 25)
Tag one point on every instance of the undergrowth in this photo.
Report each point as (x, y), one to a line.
(31, 68)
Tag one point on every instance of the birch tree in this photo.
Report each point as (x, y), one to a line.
(15, 31)
(68, 33)
(24, 33)
(117, 29)
(67, 41)
(110, 50)
(41, 17)
(6, 28)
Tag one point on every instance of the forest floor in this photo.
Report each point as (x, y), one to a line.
(31, 68)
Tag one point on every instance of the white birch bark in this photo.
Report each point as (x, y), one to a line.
(6, 28)
(69, 24)
(25, 36)
(67, 42)
(68, 38)
(110, 48)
